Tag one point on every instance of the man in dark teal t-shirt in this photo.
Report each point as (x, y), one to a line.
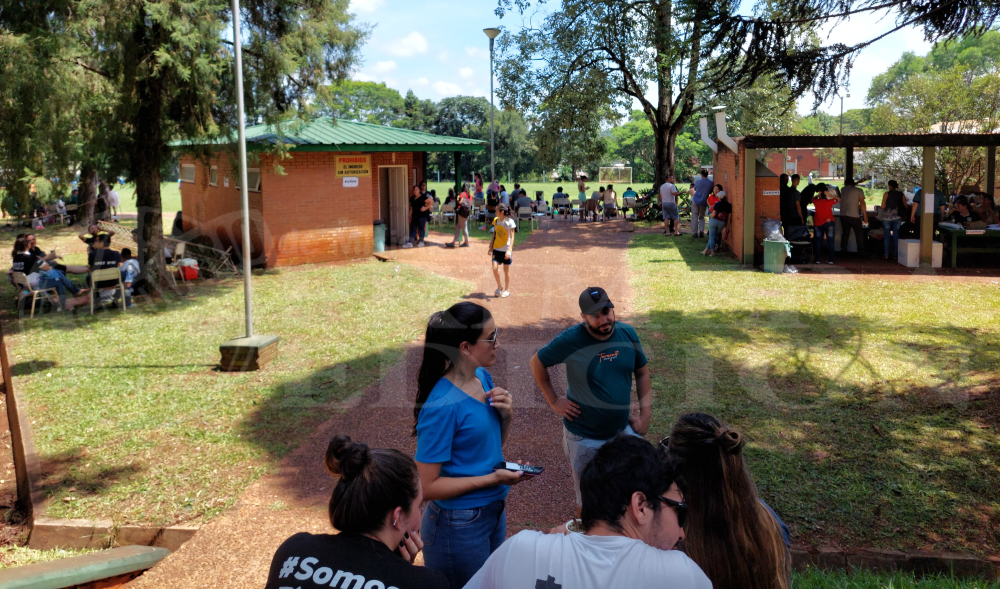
(601, 357)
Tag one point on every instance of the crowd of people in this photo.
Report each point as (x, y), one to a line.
(44, 270)
(682, 513)
(708, 199)
(896, 214)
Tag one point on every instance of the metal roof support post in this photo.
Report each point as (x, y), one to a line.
(749, 204)
(458, 172)
(927, 204)
(991, 169)
(849, 162)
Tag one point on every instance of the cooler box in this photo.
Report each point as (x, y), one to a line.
(188, 268)
(909, 253)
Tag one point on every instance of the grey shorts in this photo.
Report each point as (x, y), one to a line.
(581, 451)
(670, 211)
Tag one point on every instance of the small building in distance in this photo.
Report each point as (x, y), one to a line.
(320, 205)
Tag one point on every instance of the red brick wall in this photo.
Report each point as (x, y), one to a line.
(215, 211)
(769, 206)
(414, 164)
(774, 160)
(729, 173)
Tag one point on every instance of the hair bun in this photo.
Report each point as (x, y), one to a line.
(731, 441)
(345, 458)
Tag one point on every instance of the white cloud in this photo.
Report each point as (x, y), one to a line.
(409, 45)
(473, 90)
(478, 52)
(365, 5)
(447, 88)
(444, 56)
(385, 66)
(363, 77)
(466, 72)
(420, 82)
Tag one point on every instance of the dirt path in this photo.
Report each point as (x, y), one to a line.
(550, 270)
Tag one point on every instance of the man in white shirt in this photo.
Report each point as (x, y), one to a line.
(633, 517)
(668, 204)
(113, 203)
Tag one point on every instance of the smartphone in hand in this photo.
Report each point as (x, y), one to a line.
(529, 470)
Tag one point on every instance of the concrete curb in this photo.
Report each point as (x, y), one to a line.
(917, 562)
(111, 568)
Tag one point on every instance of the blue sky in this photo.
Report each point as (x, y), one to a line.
(437, 48)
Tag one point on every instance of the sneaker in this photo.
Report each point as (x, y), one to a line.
(466, 244)
(407, 245)
(497, 292)
(505, 294)
(701, 235)
(420, 244)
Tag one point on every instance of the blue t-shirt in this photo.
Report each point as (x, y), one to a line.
(461, 434)
(702, 188)
(599, 375)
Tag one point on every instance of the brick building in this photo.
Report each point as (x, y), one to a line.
(801, 161)
(339, 177)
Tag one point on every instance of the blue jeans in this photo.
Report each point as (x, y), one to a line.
(457, 542)
(893, 228)
(418, 224)
(715, 228)
(57, 280)
(824, 235)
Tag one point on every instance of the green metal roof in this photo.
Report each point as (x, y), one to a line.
(328, 134)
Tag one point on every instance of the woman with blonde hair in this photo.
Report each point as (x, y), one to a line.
(736, 538)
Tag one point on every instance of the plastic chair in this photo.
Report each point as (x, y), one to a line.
(526, 214)
(447, 212)
(628, 203)
(105, 275)
(25, 290)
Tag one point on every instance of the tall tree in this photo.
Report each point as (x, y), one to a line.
(364, 102)
(168, 67)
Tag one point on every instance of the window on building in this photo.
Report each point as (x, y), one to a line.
(253, 180)
(213, 176)
(187, 172)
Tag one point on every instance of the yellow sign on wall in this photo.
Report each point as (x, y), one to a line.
(353, 165)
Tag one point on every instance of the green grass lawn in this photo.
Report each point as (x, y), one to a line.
(133, 423)
(871, 405)
(815, 579)
(170, 198)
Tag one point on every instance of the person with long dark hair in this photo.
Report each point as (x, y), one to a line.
(461, 420)
(376, 508)
(736, 538)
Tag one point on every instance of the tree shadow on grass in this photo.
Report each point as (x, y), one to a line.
(849, 450)
(26, 368)
(68, 474)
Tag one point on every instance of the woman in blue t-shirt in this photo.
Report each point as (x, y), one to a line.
(461, 421)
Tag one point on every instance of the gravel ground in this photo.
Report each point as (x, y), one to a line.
(550, 270)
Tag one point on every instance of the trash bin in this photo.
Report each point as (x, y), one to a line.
(774, 256)
(378, 236)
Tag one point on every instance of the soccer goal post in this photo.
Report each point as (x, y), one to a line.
(615, 175)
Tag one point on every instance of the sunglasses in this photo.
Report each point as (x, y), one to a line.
(493, 337)
(679, 507)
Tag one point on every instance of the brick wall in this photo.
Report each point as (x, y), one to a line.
(728, 172)
(769, 206)
(414, 168)
(809, 162)
(215, 211)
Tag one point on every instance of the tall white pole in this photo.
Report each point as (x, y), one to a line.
(493, 171)
(247, 293)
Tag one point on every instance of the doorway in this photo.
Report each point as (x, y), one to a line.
(393, 204)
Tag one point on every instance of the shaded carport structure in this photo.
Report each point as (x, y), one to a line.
(928, 141)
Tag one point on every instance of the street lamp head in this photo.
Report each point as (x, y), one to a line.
(848, 94)
(492, 33)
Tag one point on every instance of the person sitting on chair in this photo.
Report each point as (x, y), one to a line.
(610, 203)
(41, 275)
(100, 258)
(961, 212)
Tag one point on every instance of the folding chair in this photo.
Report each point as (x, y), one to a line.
(105, 275)
(447, 212)
(435, 214)
(543, 211)
(25, 290)
(562, 206)
(526, 214)
(178, 254)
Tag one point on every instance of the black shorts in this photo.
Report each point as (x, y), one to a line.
(500, 258)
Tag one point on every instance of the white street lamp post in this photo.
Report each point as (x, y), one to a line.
(492, 34)
(842, 113)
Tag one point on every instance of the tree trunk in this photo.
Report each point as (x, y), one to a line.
(86, 196)
(147, 148)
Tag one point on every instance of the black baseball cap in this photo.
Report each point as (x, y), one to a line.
(593, 299)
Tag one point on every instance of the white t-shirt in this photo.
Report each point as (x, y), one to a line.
(610, 197)
(533, 559)
(503, 233)
(113, 198)
(667, 190)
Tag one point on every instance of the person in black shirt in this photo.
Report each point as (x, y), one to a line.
(718, 220)
(101, 258)
(420, 213)
(376, 507)
(961, 212)
(806, 198)
(47, 277)
(51, 257)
